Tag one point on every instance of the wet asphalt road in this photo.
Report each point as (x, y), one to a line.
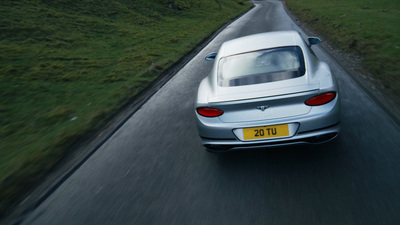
(153, 170)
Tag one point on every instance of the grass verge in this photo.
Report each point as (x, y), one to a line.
(67, 66)
(367, 28)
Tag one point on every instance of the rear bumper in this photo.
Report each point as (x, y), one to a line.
(313, 137)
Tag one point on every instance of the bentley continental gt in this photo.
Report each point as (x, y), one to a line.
(264, 90)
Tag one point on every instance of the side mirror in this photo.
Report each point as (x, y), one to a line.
(313, 41)
(211, 56)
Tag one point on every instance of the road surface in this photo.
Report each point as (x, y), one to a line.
(153, 170)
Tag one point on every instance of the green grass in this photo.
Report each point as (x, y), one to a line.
(367, 28)
(67, 66)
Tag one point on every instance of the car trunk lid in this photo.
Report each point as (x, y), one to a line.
(264, 102)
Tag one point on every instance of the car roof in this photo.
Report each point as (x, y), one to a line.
(261, 41)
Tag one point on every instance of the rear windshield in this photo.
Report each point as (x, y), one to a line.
(261, 66)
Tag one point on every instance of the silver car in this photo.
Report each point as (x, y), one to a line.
(264, 90)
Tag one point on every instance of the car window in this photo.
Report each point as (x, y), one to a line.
(261, 66)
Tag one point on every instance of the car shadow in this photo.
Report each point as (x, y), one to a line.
(288, 158)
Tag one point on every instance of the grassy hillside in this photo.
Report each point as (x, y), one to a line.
(367, 28)
(66, 66)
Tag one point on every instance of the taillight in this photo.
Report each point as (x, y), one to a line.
(209, 112)
(321, 99)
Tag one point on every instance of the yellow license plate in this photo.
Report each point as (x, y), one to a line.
(266, 132)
